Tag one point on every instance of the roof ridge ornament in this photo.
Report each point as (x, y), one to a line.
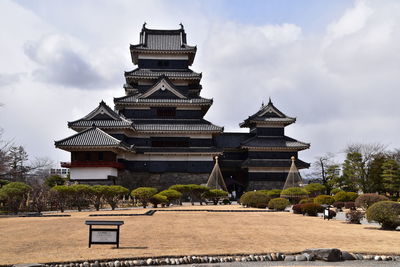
(269, 102)
(180, 24)
(144, 25)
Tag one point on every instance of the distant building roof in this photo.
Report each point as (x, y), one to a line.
(269, 115)
(91, 138)
(162, 41)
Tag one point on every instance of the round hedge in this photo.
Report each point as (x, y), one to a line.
(306, 200)
(335, 190)
(386, 213)
(274, 193)
(255, 199)
(279, 204)
(341, 196)
(311, 209)
(324, 199)
(366, 200)
(294, 194)
(352, 196)
(314, 189)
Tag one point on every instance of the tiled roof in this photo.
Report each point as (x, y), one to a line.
(100, 123)
(274, 142)
(92, 137)
(179, 149)
(108, 119)
(177, 127)
(163, 40)
(274, 163)
(154, 74)
(268, 114)
(135, 99)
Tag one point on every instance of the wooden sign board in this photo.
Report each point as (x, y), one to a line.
(104, 236)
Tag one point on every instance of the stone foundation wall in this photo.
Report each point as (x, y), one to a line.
(161, 181)
(267, 185)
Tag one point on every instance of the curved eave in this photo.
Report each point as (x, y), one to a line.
(180, 132)
(82, 128)
(130, 77)
(136, 50)
(294, 148)
(152, 104)
(251, 123)
(119, 148)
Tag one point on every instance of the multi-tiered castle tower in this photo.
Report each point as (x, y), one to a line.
(157, 135)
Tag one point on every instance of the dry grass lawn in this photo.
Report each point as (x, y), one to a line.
(25, 240)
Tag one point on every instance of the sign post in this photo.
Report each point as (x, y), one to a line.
(104, 236)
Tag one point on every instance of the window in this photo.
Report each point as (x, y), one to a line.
(101, 156)
(164, 142)
(166, 112)
(163, 63)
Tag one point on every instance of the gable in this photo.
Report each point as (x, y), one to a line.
(163, 88)
(271, 112)
(102, 112)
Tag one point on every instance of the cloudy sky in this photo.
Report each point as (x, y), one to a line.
(335, 65)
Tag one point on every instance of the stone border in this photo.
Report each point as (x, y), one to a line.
(331, 255)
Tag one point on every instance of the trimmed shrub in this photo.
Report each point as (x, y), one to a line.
(182, 188)
(81, 194)
(171, 195)
(341, 196)
(255, 199)
(338, 205)
(196, 192)
(226, 201)
(279, 204)
(62, 195)
(335, 190)
(158, 199)
(143, 194)
(315, 189)
(354, 216)
(15, 194)
(274, 193)
(306, 200)
(215, 195)
(350, 205)
(386, 213)
(365, 200)
(294, 194)
(352, 196)
(113, 193)
(324, 199)
(297, 209)
(311, 209)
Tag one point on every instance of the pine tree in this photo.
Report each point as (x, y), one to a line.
(391, 176)
(353, 172)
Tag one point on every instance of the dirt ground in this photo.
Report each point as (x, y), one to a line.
(167, 233)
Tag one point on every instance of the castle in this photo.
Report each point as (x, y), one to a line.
(156, 135)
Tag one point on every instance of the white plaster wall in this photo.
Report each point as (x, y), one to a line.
(92, 173)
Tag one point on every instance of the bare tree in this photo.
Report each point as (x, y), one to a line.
(320, 169)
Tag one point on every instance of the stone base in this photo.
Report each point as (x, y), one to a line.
(160, 181)
(264, 185)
